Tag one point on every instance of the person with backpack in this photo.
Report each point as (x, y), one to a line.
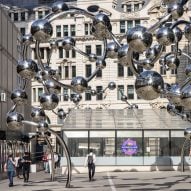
(9, 167)
(26, 166)
(90, 162)
(18, 164)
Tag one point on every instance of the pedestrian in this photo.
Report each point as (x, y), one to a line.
(26, 166)
(90, 162)
(9, 167)
(18, 165)
(45, 161)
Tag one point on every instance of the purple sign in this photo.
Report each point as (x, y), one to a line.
(129, 147)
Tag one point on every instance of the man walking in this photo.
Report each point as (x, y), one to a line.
(26, 166)
(90, 161)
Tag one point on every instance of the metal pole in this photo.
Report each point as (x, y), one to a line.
(69, 164)
(182, 156)
(52, 158)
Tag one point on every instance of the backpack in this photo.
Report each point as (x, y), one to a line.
(90, 159)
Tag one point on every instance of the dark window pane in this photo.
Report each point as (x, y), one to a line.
(88, 49)
(65, 30)
(88, 70)
(23, 16)
(130, 92)
(98, 50)
(73, 30)
(73, 71)
(122, 27)
(60, 52)
(58, 31)
(99, 95)
(66, 72)
(120, 70)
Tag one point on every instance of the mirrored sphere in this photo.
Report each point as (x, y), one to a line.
(177, 34)
(53, 44)
(59, 6)
(124, 98)
(61, 113)
(42, 30)
(49, 101)
(55, 73)
(92, 57)
(147, 64)
(112, 50)
(186, 96)
(171, 109)
(27, 68)
(187, 133)
(165, 36)
(77, 98)
(39, 77)
(188, 70)
(176, 10)
(79, 84)
(27, 39)
(112, 85)
(172, 61)
(122, 55)
(43, 127)
(174, 95)
(149, 84)
(37, 114)
(93, 92)
(187, 31)
(139, 39)
(100, 63)
(14, 120)
(52, 87)
(19, 97)
(68, 43)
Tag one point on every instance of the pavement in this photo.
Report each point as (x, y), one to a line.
(105, 181)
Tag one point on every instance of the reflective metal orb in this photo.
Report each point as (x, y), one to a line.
(176, 10)
(177, 34)
(187, 133)
(59, 6)
(92, 57)
(14, 120)
(147, 64)
(188, 70)
(165, 36)
(122, 55)
(53, 44)
(139, 39)
(124, 98)
(186, 97)
(42, 127)
(79, 84)
(68, 43)
(152, 52)
(27, 39)
(93, 92)
(112, 50)
(171, 109)
(37, 114)
(100, 63)
(77, 98)
(39, 77)
(61, 113)
(112, 85)
(52, 87)
(101, 26)
(149, 85)
(187, 31)
(55, 73)
(174, 95)
(49, 101)
(19, 97)
(42, 30)
(27, 68)
(172, 61)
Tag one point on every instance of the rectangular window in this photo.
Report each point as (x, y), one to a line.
(86, 28)
(66, 72)
(42, 53)
(129, 8)
(174, 71)
(88, 70)
(129, 72)
(136, 7)
(60, 49)
(67, 53)
(99, 74)
(122, 27)
(73, 30)
(73, 71)
(130, 91)
(16, 17)
(58, 31)
(88, 49)
(40, 92)
(120, 91)
(99, 95)
(88, 96)
(22, 16)
(47, 12)
(60, 71)
(34, 94)
(22, 30)
(40, 14)
(98, 50)
(140, 69)
(73, 53)
(65, 30)
(162, 70)
(48, 52)
(66, 97)
(129, 24)
(120, 70)
(137, 22)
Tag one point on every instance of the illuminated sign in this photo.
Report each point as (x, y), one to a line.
(129, 147)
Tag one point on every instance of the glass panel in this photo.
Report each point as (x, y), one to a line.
(122, 26)
(99, 95)
(73, 30)
(130, 92)
(120, 70)
(58, 30)
(120, 91)
(65, 30)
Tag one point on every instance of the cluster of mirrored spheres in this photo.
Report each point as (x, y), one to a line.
(140, 43)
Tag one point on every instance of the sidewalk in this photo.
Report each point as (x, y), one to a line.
(107, 181)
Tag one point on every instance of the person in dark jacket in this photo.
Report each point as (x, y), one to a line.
(26, 166)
